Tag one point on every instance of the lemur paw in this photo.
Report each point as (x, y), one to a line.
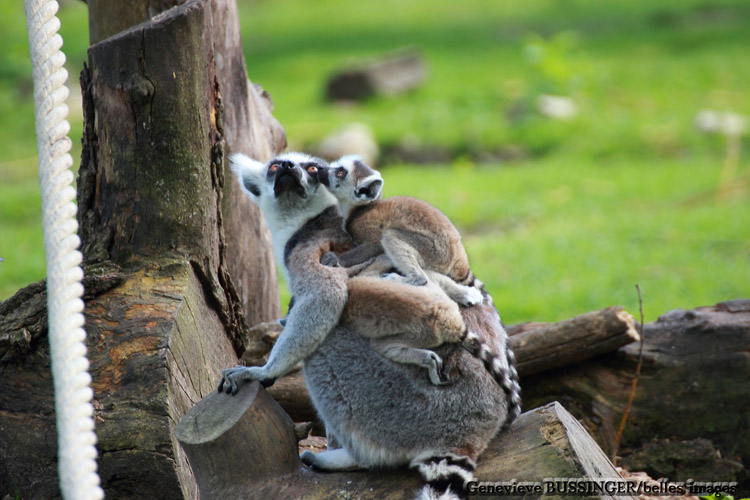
(472, 297)
(308, 458)
(434, 364)
(471, 342)
(233, 378)
(330, 259)
(417, 280)
(395, 277)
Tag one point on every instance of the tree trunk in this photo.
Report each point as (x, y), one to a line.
(164, 103)
(243, 446)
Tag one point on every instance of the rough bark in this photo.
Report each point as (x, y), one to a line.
(164, 103)
(546, 442)
(168, 120)
(688, 418)
(155, 349)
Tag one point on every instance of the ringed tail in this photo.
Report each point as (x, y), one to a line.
(504, 373)
(445, 475)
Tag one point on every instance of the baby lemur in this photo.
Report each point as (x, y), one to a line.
(419, 240)
(383, 413)
(421, 243)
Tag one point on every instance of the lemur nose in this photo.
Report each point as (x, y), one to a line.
(285, 167)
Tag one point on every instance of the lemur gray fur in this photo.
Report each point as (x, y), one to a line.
(419, 240)
(403, 322)
(383, 413)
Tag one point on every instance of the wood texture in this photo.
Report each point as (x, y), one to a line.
(165, 101)
(236, 443)
(688, 415)
(542, 346)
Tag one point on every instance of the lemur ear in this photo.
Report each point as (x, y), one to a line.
(250, 174)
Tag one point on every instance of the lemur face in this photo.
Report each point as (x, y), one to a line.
(353, 181)
(289, 178)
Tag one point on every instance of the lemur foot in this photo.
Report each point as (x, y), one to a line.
(394, 277)
(330, 460)
(434, 365)
(471, 342)
(472, 297)
(233, 378)
(417, 280)
(330, 259)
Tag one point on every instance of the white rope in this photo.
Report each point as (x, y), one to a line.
(73, 394)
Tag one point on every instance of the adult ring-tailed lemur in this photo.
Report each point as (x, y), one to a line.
(438, 429)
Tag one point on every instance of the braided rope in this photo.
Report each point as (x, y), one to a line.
(73, 394)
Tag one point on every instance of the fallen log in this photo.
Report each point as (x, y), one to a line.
(537, 347)
(244, 446)
(392, 74)
(543, 346)
(689, 415)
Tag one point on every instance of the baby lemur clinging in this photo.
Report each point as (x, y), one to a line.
(402, 321)
(421, 243)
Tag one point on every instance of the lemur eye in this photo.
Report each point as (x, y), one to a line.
(312, 169)
(340, 173)
(274, 167)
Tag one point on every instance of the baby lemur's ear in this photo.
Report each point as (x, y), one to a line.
(251, 174)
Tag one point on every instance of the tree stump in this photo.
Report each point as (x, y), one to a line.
(175, 258)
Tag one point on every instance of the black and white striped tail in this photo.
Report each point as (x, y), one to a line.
(445, 476)
(504, 373)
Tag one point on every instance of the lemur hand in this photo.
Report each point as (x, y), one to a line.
(232, 378)
(330, 259)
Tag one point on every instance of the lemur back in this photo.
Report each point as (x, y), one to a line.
(402, 321)
(400, 223)
(417, 236)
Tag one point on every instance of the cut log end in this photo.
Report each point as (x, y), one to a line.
(627, 319)
(214, 415)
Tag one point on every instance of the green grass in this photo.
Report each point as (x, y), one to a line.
(622, 194)
(551, 240)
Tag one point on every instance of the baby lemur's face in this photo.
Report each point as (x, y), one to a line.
(352, 181)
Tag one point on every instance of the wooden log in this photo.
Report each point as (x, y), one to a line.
(392, 74)
(537, 347)
(229, 439)
(688, 418)
(544, 346)
(159, 124)
(244, 447)
(155, 348)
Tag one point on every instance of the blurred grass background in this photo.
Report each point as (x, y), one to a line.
(558, 217)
